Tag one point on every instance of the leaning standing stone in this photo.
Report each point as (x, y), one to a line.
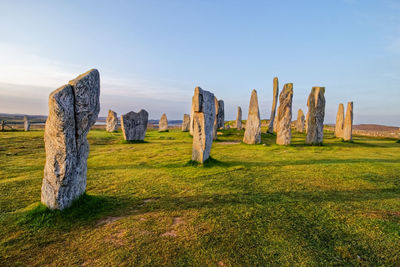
(239, 119)
(252, 135)
(339, 121)
(163, 123)
(221, 114)
(73, 109)
(203, 124)
(284, 131)
(271, 127)
(300, 121)
(27, 124)
(185, 123)
(112, 121)
(348, 123)
(134, 125)
(316, 115)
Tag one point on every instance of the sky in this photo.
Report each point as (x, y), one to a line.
(152, 54)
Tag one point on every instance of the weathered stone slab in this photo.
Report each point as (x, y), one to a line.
(203, 123)
(112, 121)
(252, 135)
(284, 117)
(163, 123)
(221, 114)
(339, 121)
(73, 109)
(191, 118)
(348, 123)
(272, 122)
(27, 124)
(186, 123)
(239, 119)
(300, 121)
(134, 125)
(215, 125)
(316, 115)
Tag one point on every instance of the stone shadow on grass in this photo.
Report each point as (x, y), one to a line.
(83, 211)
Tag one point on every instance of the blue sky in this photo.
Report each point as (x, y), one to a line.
(152, 54)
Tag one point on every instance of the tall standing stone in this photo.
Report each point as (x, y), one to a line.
(203, 123)
(300, 121)
(215, 125)
(316, 115)
(191, 118)
(284, 117)
(186, 123)
(134, 125)
(239, 119)
(112, 121)
(272, 124)
(339, 121)
(73, 110)
(252, 134)
(221, 114)
(163, 123)
(348, 123)
(27, 124)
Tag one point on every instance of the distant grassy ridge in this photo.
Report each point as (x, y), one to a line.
(147, 204)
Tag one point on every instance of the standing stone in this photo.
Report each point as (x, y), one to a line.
(252, 135)
(348, 123)
(339, 121)
(73, 110)
(203, 123)
(215, 125)
(163, 123)
(239, 119)
(221, 114)
(316, 115)
(186, 123)
(134, 125)
(284, 117)
(300, 121)
(27, 124)
(112, 121)
(272, 124)
(191, 118)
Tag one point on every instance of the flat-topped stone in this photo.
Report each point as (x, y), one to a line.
(186, 123)
(134, 125)
(203, 123)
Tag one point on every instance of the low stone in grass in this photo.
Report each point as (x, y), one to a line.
(186, 123)
(134, 125)
(112, 121)
(163, 123)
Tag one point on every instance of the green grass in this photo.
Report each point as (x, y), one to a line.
(148, 204)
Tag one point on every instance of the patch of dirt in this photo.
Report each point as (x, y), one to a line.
(383, 214)
(108, 220)
(229, 143)
(176, 221)
(116, 238)
(172, 233)
(221, 264)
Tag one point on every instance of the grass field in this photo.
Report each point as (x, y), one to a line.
(146, 204)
